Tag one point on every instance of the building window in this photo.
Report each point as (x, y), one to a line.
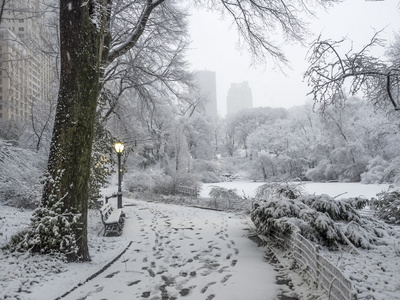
(1, 116)
(21, 20)
(21, 29)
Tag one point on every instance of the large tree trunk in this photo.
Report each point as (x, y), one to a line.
(71, 147)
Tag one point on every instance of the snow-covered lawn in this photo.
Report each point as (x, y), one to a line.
(177, 252)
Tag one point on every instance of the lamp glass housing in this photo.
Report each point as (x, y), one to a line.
(119, 147)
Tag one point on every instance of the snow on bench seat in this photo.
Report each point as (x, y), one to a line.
(113, 220)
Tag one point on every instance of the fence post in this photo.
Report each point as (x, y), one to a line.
(317, 265)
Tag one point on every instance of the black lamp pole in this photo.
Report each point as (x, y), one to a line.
(119, 195)
(119, 147)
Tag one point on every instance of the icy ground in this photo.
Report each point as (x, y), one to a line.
(177, 252)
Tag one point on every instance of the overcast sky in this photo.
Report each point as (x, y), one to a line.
(214, 48)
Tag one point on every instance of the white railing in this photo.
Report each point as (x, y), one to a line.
(321, 271)
(316, 268)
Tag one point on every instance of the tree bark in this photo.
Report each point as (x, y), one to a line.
(71, 147)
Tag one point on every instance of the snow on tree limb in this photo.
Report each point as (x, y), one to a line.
(329, 71)
(137, 32)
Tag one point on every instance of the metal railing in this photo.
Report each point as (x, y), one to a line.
(315, 268)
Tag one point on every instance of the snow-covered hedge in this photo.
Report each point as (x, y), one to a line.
(20, 176)
(281, 209)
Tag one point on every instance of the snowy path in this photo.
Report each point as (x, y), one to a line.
(184, 253)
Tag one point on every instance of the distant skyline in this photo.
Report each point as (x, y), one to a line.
(239, 98)
(214, 48)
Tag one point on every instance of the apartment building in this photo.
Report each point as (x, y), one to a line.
(207, 88)
(239, 97)
(26, 71)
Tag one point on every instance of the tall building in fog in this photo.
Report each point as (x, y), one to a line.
(26, 72)
(207, 91)
(239, 98)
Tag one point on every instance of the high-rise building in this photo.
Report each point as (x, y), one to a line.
(207, 91)
(26, 72)
(239, 97)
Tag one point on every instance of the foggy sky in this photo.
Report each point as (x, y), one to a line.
(214, 47)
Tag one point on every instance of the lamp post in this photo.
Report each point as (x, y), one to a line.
(119, 147)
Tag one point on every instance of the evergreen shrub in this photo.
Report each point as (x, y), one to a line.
(282, 208)
(387, 206)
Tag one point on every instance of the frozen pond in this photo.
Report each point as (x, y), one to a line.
(345, 190)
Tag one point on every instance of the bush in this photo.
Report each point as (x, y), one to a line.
(51, 232)
(281, 209)
(156, 181)
(375, 171)
(387, 206)
(206, 171)
(145, 180)
(279, 189)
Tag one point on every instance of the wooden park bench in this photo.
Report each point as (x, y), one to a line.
(113, 220)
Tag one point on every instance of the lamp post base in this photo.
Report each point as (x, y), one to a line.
(119, 200)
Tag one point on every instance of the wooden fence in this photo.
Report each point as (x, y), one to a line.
(189, 191)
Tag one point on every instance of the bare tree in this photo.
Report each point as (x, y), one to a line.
(2, 5)
(258, 21)
(330, 72)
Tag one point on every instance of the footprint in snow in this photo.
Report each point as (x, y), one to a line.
(204, 289)
(112, 274)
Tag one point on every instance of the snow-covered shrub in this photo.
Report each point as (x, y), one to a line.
(382, 171)
(156, 181)
(149, 180)
(206, 171)
(141, 181)
(392, 171)
(53, 228)
(336, 209)
(50, 232)
(315, 174)
(375, 171)
(20, 176)
(325, 170)
(218, 192)
(387, 206)
(279, 189)
(321, 218)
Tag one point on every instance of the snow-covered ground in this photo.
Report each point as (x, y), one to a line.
(172, 252)
(375, 273)
(176, 252)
